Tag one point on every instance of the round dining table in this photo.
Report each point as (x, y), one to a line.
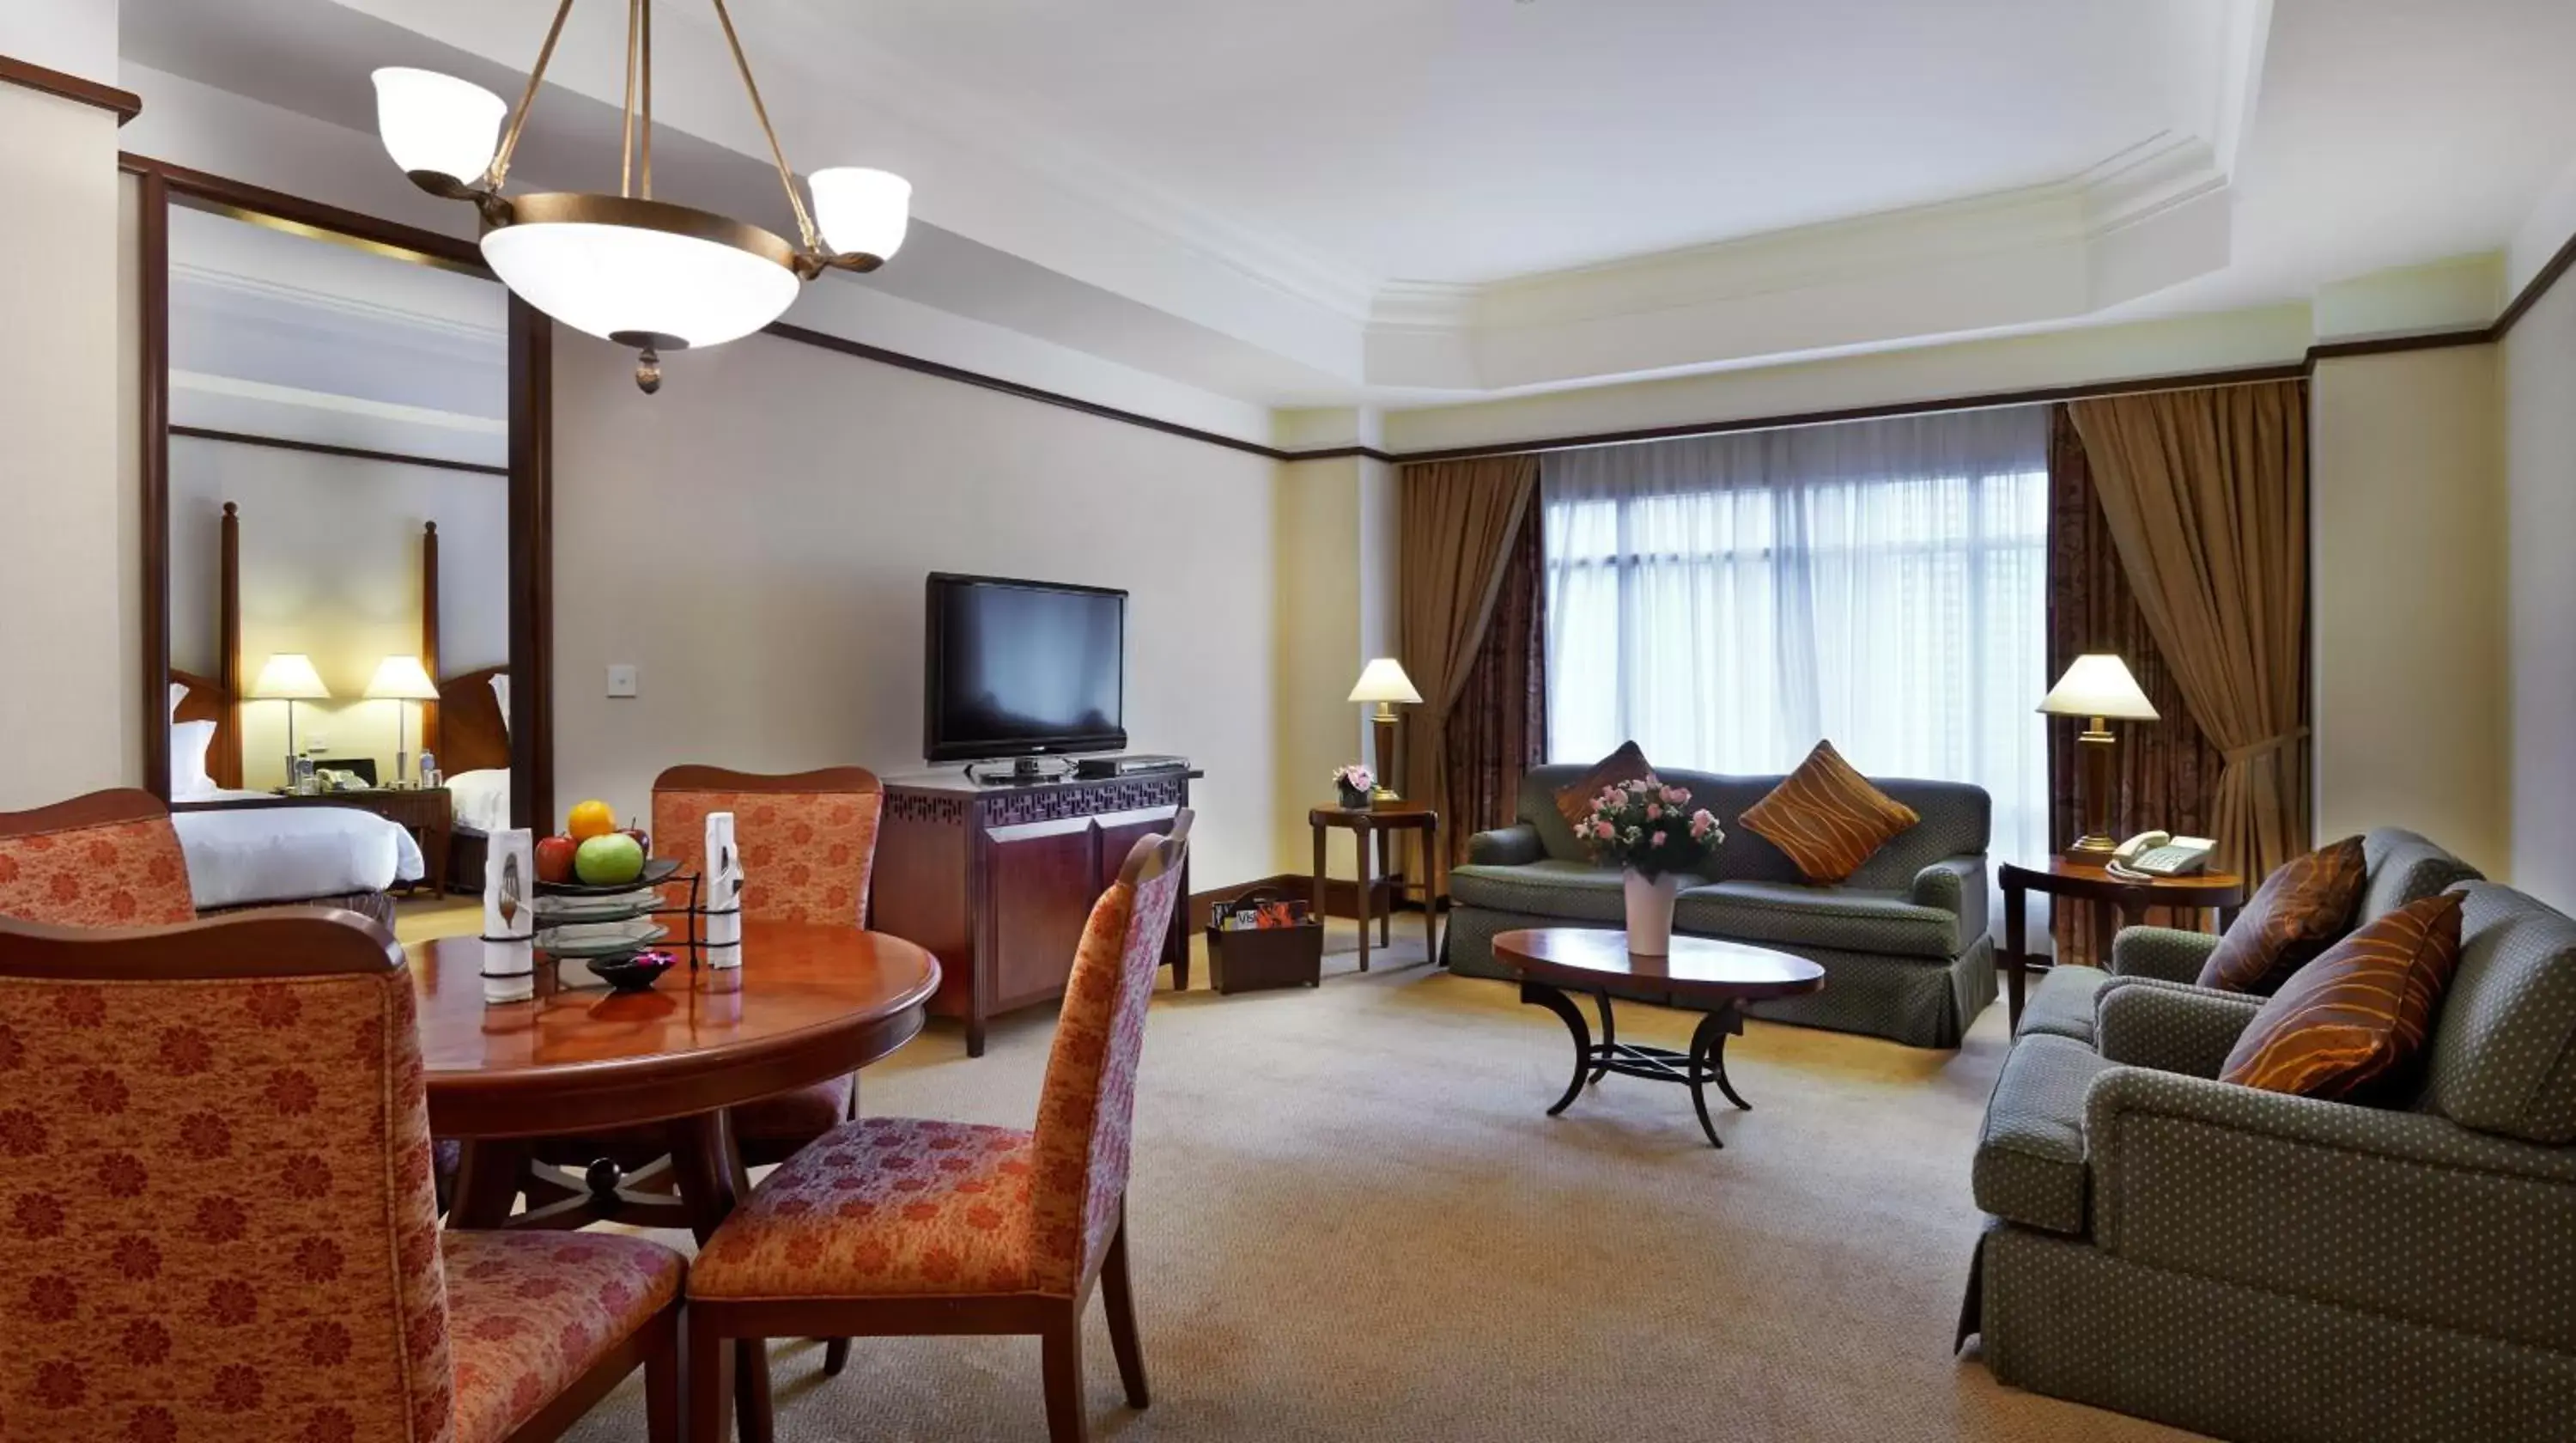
(810, 1003)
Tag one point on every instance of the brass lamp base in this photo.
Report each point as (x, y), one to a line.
(2097, 843)
(1383, 723)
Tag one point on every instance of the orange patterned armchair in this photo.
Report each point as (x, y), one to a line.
(903, 1227)
(215, 1214)
(108, 859)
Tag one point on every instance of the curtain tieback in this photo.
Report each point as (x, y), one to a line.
(2235, 756)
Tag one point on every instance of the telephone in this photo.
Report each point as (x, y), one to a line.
(2160, 854)
(335, 779)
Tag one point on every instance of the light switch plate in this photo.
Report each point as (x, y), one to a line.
(621, 679)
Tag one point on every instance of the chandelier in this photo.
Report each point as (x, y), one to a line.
(628, 268)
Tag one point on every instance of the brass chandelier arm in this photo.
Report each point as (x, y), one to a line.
(626, 111)
(648, 98)
(500, 170)
(786, 177)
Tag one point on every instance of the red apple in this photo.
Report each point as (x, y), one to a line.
(554, 858)
(642, 838)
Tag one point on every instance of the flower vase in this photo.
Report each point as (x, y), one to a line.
(1352, 796)
(1650, 913)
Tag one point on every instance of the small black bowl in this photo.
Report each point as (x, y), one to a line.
(634, 972)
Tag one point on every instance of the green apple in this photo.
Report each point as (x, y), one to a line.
(608, 861)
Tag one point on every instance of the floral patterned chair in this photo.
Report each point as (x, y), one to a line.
(903, 1227)
(215, 1215)
(109, 859)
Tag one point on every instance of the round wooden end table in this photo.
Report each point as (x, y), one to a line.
(808, 1004)
(1702, 974)
(2117, 902)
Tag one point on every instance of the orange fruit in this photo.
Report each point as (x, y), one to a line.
(590, 819)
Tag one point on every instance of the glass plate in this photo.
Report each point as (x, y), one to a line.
(612, 907)
(656, 870)
(600, 939)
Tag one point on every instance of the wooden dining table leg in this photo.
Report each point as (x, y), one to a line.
(713, 1181)
(489, 1173)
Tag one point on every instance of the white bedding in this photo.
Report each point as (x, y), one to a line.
(481, 798)
(241, 855)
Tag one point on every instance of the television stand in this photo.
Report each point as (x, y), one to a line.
(996, 878)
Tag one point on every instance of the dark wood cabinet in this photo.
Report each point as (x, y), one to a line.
(997, 880)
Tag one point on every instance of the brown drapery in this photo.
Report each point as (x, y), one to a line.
(1456, 523)
(2168, 770)
(2205, 495)
(1497, 729)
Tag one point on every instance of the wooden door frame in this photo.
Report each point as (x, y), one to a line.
(531, 501)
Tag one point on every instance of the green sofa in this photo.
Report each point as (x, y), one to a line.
(2265, 1267)
(1903, 942)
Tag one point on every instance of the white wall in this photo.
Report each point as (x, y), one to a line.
(2407, 528)
(2540, 448)
(67, 694)
(754, 538)
(330, 566)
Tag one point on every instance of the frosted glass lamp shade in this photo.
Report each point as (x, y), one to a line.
(2098, 685)
(402, 678)
(638, 284)
(1383, 680)
(437, 123)
(861, 211)
(289, 676)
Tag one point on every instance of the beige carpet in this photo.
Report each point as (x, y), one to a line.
(1352, 1220)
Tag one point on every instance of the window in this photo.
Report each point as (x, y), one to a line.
(1727, 601)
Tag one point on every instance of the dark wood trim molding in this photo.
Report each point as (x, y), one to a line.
(532, 566)
(124, 104)
(2386, 345)
(2538, 286)
(152, 285)
(319, 448)
(200, 188)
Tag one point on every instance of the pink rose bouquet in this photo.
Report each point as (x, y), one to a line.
(1649, 827)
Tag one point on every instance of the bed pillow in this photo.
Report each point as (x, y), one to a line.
(188, 743)
(501, 690)
(178, 694)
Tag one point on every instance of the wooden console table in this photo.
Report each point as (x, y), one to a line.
(2117, 902)
(997, 879)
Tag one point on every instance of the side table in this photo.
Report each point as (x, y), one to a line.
(2117, 903)
(1376, 873)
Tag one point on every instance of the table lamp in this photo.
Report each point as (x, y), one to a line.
(400, 679)
(2097, 687)
(289, 676)
(1383, 681)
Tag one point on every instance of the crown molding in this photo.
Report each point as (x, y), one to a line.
(27, 75)
(351, 307)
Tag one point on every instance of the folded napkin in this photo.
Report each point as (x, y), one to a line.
(723, 892)
(510, 917)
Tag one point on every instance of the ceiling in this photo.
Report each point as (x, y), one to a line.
(1408, 200)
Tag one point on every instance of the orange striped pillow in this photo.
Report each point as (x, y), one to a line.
(1827, 817)
(2358, 1014)
(2298, 912)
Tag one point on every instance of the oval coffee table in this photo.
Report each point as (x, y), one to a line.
(1702, 975)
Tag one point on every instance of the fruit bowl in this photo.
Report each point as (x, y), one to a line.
(633, 972)
(657, 870)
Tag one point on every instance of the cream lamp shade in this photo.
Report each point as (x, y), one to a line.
(2098, 685)
(289, 676)
(1383, 680)
(402, 678)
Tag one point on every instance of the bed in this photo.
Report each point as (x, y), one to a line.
(250, 848)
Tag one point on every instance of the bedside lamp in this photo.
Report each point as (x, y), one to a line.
(400, 679)
(2097, 687)
(1383, 681)
(289, 677)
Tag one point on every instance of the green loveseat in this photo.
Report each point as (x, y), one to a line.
(2266, 1267)
(1903, 942)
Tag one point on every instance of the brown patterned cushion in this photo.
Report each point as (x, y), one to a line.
(2300, 910)
(2357, 1015)
(1827, 817)
(1574, 800)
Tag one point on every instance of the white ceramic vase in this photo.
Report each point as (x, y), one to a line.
(1650, 913)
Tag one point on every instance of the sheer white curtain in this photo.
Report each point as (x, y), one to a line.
(1725, 601)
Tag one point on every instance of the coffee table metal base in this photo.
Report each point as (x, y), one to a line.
(1704, 1063)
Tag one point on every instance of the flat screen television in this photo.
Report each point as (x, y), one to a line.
(1019, 668)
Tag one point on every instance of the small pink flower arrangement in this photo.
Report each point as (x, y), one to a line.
(1648, 826)
(1351, 776)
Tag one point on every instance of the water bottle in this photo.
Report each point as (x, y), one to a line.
(430, 780)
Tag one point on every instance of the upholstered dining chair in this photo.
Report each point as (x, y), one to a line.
(906, 1227)
(108, 859)
(215, 1165)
